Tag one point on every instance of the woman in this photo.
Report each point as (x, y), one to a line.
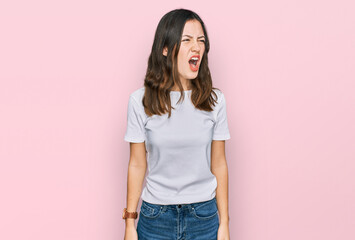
(180, 121)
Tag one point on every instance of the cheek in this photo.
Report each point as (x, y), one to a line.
(182, 61)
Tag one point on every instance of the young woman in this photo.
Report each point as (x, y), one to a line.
(180, 121)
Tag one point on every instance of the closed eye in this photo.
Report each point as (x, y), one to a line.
(189, 40)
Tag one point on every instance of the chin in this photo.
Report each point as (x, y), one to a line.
(192, 77)
(194, 74)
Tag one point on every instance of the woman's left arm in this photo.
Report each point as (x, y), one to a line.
(219, 168)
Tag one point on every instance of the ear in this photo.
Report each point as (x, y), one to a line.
(165, 51)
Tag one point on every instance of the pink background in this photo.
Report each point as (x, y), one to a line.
(287, 71)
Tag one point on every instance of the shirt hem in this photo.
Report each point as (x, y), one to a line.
(179, 199)
(221, 137)
(135, 140)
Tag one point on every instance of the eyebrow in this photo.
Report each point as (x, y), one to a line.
(191, 36)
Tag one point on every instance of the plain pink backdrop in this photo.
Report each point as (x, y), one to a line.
(287, 71)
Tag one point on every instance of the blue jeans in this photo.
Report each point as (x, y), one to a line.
(194, 221)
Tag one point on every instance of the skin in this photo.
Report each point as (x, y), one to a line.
(219, 168)
(190, 46)
(136, 172)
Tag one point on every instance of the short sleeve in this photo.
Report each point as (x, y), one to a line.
(221, 130)
(135, 131)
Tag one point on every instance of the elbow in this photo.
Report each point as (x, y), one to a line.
(140, 163)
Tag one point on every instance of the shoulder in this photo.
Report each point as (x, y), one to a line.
(220, 96)
(137, 95)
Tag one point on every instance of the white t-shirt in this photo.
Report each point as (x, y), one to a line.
(178, 148)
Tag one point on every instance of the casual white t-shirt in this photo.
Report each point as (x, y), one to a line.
(178, 148)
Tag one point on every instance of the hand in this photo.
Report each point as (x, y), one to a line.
(130, 233)
(223, 232)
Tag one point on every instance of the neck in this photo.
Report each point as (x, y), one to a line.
(185, 86)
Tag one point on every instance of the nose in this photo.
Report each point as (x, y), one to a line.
(196, 47)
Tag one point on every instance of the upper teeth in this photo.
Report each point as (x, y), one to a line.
(194, 58)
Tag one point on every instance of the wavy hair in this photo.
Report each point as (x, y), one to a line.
(162, 71)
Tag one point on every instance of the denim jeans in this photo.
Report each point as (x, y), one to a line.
(194, 221)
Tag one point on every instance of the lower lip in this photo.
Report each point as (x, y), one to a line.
(193, 67)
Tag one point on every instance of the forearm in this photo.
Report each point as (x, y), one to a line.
(135, 179)
(221, 173)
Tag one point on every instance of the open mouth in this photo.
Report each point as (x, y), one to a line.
(193, 62)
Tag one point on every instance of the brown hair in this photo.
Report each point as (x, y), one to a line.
(162, 72)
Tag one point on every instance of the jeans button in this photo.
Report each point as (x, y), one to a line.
(179, 206)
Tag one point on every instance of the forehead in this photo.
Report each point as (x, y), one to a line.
(193, 27)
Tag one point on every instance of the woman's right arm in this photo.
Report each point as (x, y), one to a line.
(136, 173)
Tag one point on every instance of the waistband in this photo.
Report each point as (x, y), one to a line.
(179, 206)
